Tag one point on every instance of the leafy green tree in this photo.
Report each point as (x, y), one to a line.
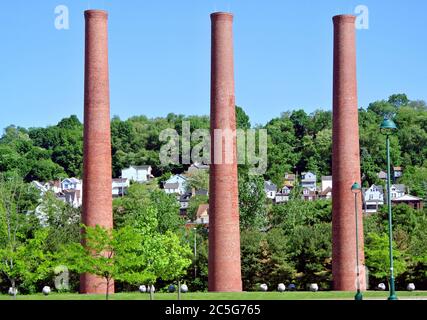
(377, 256)
(25, 262)
(252, 198)
(61, 221)
(109, 254)
(198, 180)
(242, 119)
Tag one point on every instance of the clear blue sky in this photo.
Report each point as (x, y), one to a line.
(160, 56)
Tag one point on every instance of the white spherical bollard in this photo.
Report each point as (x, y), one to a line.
(281, 287)
(142, 289)
(381, 287)
(263, 287)
(184, 288)
(314, 287)
(46, 290)
(12, 291)
(410, 287)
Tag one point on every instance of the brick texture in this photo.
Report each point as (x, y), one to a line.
(345, 159)
(97, 193)
(224, 230)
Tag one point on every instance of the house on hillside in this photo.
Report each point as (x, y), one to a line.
(176, 184)
(412, 201)
(202, 218)
(308, 181)
(382, 175)
(120, 187)
(270, 190)
(184, 202)
(397, 172)
(71, 184)
(140, 174)
(326, 183)
(72, 192)
(289, 180)
(397, 191)
(373, 198)
(309, 195)
(283, 195)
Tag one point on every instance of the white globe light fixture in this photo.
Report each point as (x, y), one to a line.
(314, 287)
(184, 288)
(46, 290)
(281, 287)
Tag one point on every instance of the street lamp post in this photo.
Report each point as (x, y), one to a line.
(387, 128)
(195, 253)
(355, 188)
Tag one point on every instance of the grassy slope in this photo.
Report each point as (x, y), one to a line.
(330, 295)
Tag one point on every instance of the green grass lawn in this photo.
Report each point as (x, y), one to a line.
(326, 295)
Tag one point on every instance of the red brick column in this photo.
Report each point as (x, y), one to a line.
(97, 172)
(224, 230)
(345, 159)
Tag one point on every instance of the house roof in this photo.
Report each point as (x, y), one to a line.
(143, 167)
(326, 191)
(397, 168)
(171, 185)
(380, 188)
(382, 175)
(201, 192)
(202, 209)
(289, 176)
(120, 180)
(406, 198)
(72, 180)
(399, 187)
(198, 165)
(269, 186)
(304, 179)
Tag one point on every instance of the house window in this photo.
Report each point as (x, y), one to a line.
(371, 197)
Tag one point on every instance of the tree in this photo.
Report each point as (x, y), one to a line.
(242, 119)
(17, 199)
(252, 198)
(26, 262)
(60, 219)
(109, 254)
(198, 180)
(377, 256)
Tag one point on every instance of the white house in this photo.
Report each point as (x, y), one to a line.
(397, 191)
(176, 184)
(119, 187)
(326, 183)
(138, 174)
(308, 181)
(373, 198)
(72, 192)
(270, 189)
(71, 184)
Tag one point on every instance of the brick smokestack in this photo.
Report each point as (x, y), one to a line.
(224, 229)
(97, 172)
(345, 160)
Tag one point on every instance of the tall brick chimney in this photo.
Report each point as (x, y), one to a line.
(97, 172)
(345, 160)
(224, 229)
